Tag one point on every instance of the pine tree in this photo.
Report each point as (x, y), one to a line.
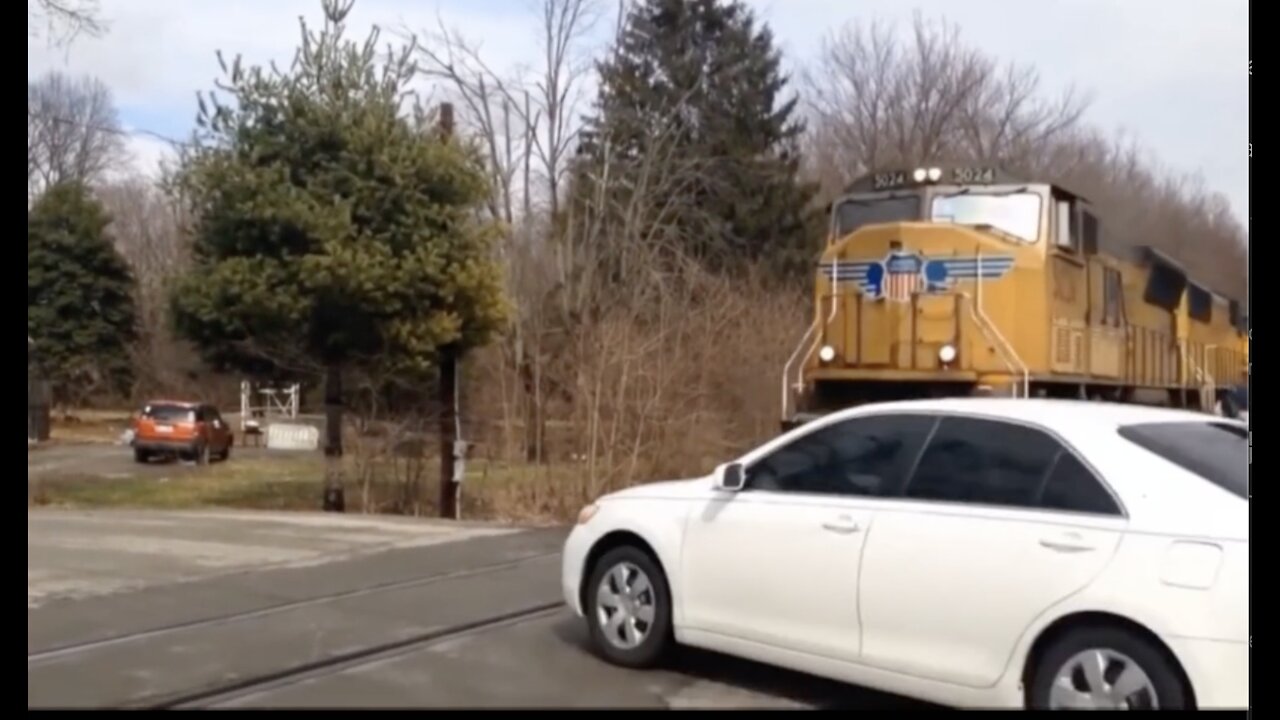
(80, 307)
(334, 230)
(704, 74)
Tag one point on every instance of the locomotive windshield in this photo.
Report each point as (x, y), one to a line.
(1016, 214)
(854, 213)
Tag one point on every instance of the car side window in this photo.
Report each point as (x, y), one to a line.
(984, 462)
(861, 457)
(1071, 486)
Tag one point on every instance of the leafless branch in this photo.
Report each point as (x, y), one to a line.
(63, 20)
(73, 131)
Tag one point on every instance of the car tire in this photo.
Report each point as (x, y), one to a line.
(630, 621)
(226, 455)
(1120, 654)
(141, 456)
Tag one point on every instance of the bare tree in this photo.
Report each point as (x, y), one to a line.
(63, 20)
(878, 100)
(522, 122)
(73, 131)
(528, 129)
(148, 229)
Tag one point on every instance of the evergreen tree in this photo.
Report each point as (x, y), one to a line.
(702, 73)
(332, 228)
(80, 308)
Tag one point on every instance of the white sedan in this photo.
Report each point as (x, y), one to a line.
(966, 552)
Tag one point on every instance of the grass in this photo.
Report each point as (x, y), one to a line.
(276, 483)
(492, 490)
(89, 426)
(293, 482)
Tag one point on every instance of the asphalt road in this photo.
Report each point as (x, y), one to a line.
(287, 610)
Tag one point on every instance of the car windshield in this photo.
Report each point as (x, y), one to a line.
(1217, 452)
(855, 213)
(1016, 214)
(169, 413)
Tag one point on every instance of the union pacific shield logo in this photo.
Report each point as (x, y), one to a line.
(900, 275)
(903, 277)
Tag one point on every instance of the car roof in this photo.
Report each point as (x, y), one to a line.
(1043, 411)
(176, 403)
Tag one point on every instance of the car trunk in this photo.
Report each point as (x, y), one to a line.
(163, 422)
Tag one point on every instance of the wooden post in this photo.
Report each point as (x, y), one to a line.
(448, 389)
(448, 432)
(446, 121)
(335, 499)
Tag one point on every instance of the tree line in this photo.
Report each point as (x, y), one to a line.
(623, 269)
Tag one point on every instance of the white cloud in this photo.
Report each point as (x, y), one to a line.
(148, 156)
(159, 53)
(1170, 71)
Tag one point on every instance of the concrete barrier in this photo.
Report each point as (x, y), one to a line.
(287, 436)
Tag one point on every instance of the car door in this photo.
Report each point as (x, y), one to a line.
(999, 521)
(777, 563)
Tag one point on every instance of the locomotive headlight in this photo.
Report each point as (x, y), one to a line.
(827, 353)
(920, 174)
(947, 354)
(935, 174)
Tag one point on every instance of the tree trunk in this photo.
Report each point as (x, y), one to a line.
(334, 491)
(528, 383)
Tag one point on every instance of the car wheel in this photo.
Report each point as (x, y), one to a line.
(1106, 668)
(226, 454)
(141, 456)
(629, 608)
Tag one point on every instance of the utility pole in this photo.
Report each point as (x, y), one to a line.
(450, 442)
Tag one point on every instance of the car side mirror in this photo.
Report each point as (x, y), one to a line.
(731, 477)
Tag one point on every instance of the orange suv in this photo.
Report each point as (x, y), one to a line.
(191, 431)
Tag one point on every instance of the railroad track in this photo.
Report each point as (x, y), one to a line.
(219, 692)
(214, 696)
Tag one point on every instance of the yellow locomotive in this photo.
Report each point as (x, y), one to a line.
(967, 281)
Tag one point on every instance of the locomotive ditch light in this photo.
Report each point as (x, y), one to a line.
(947, 354)
(935, 174)
(920, 175)
(827, 354)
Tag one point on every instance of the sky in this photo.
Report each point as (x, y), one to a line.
(1172, 73)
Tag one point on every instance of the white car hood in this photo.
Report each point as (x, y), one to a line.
(670, 490)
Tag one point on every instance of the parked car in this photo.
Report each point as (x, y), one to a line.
(967, 552)
(189, 431)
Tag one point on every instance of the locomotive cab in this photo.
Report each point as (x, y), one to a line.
(915, 287)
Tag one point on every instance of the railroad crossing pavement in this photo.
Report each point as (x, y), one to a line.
(233, 609)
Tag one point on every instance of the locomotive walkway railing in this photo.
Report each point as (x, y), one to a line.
(1007, 354)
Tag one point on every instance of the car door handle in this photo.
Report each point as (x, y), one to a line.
(1068, 543)
(844, 526)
